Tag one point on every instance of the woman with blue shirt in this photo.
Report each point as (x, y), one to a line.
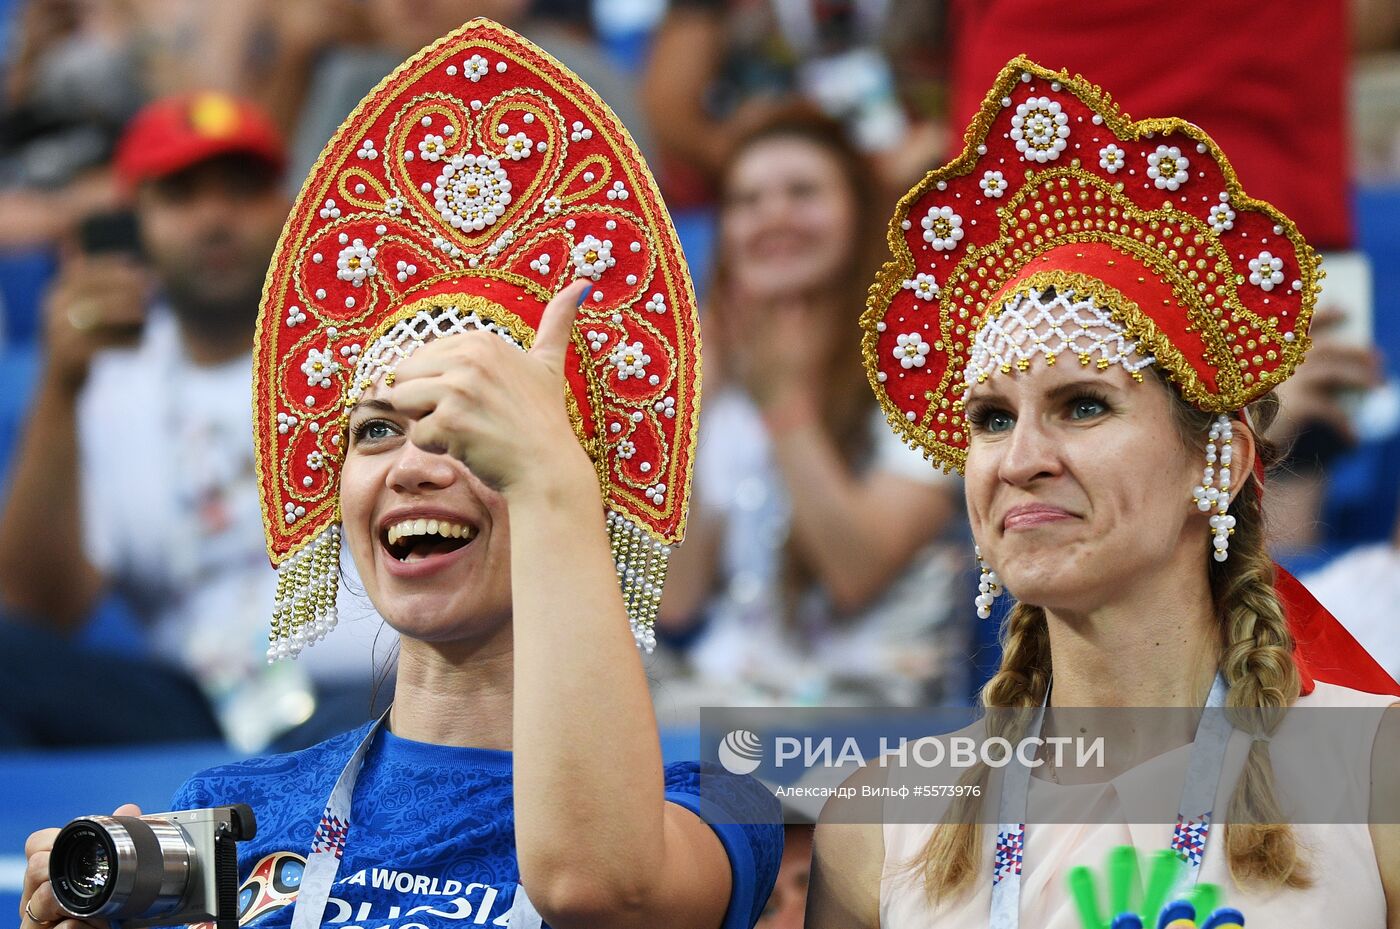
(479, 238)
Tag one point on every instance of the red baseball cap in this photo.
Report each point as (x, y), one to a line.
(174, 133)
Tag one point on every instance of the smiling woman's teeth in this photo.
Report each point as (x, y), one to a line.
(442, 528)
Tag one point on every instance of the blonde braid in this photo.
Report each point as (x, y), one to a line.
(949, 861)
(1258, 665)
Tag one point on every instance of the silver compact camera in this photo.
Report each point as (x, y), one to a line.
(163, 869)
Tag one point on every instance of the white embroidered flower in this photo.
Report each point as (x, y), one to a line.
(432, 147)
(993, 183)
(552, 206)
(617, 191)
(1112, 158)
(1266, 271)
(405, 271)
(474, 68)
(1039, 129)
(630, 360)
(472, 191)
(910, 349)
(367, 150)
(925, 287)
(592, 257)
(1167, 167)
(596, 339)
(295, 316)
(657, 303)
(318, 367)
(1222, 217)
(540, 264)
(356, 262)
(330, 210)
(393, 206)
(626, 449)
(518, 146)
(579, 133)
(286, 422)
(315, 461)
(656, 494)
(942, 228)
(666, 407)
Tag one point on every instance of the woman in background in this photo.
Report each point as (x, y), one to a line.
(813, 571)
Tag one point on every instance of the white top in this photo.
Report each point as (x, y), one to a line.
(751, 652)
(171, 516)
(1361, 589)
(1346, 890)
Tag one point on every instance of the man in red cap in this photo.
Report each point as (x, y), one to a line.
(136, 470)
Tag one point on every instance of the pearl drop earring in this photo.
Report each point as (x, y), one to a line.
(988, 587)
(1207, 495)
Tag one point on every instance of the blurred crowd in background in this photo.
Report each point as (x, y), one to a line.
(826, 564)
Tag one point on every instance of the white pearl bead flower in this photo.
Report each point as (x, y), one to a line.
(925, 286)
(472, 191)
(942, 228)
(356, 262)
(1040, 129)
(1266, 271)
(630, 360)
(318, 367)
(1222, 217)
(519, 146)
(474, 68)
(993, 183)
(1167, 167)
(593, 256)
(911, 350)
(1112, 158)
(432, 147)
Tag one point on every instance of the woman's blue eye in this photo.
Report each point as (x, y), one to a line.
(372, 429)
(999, 422)
(1087, 408)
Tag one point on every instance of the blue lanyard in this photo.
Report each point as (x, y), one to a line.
(328, 844)
(1192, 819)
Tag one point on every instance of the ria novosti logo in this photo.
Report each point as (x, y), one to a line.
(741, 752)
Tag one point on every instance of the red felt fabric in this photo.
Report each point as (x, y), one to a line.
(1268, 82)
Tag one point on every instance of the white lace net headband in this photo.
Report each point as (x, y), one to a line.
(1038, 324)
(304, 610)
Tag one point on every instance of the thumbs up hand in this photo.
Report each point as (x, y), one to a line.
(498, 410)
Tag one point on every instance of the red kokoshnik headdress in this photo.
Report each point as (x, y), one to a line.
(464, 191)
(1144, 232)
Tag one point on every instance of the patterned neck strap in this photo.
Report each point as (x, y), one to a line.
(1192, 819)
(332, 834)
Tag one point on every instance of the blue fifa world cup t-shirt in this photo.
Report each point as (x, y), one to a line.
(432, 835)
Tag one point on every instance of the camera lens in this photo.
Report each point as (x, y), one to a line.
(90, 868)
(121, 867)
(82, 866)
